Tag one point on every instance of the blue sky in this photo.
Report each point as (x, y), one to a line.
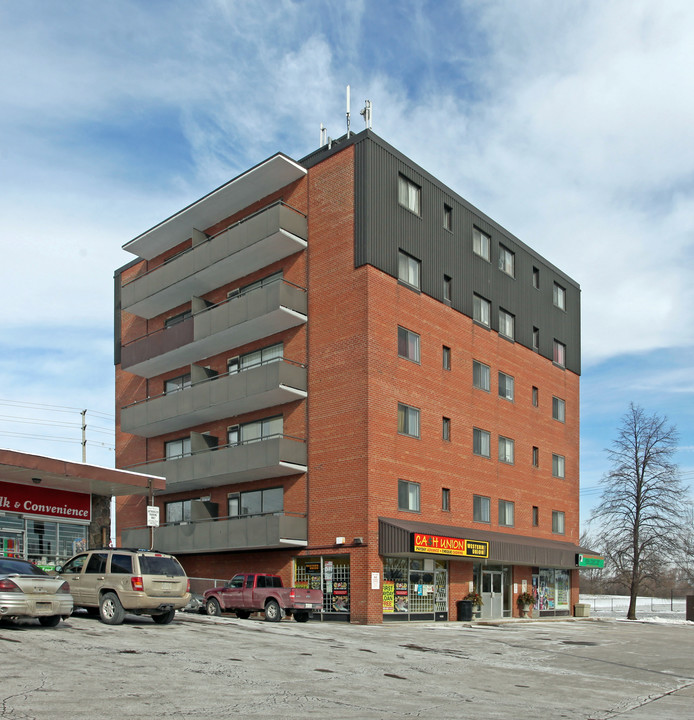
(569, 123)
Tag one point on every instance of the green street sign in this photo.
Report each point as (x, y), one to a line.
(591, 561)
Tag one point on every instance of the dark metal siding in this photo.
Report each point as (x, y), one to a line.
(383, 226)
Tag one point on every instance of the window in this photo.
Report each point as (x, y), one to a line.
(408, 420)
(536, 278)
(255, 431)
(506, 513)
(481, 310)
(446, 428)
(445, 499)
(557, 522)
(177, 383)
(97, 563)
(536, 456)
(507, 261)
(506, 450)
(506, 324)
(558, 466)
(559, 296)
(175, 449)
(176, 319)
(408, 344)
(256, 502)
(121, 564)
(536, 516)
(409, 194)
(480, 375)
(481, 442)
(536, 396)
(408, 496)
(558, 409)
(448, 217)
(409, 269)
(536, 339)
(272, 353)
(559, 353)
(481, 508)
(480, 243)
(263, 282)
(446, 358)
(178, 511)
(447, 288)
(506, 386)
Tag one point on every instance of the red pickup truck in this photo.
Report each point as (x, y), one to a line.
(255, 592)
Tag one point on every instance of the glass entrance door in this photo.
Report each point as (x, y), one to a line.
(492, 594)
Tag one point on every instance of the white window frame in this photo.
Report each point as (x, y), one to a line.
(447, 288)
(408, 420)
(558, 409)
(536, 456)
(409, 270)
(408, 344)
(507, 450)
(446, 499)
(507, 260)
(481, 310)
(446, 357)
(558, 466)
(481, 509)
(446, 429)
(506, 386)
(481, 243)
(409, 194)
(409, 498)
(481, 443)
(559, 296)
(507, 324)
(558, 522)
(176, 449)
(481, 375)
(559, 353)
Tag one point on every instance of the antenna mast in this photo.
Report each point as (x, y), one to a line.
(366, 114)
(348, 112)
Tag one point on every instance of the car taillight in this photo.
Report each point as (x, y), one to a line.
(188, 586)
(137, 584)
(9, 586)
(64, 588)
(291, 594)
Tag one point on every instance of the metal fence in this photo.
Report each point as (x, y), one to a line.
(618, 605)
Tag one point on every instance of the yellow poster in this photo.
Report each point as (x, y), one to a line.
(388, 596)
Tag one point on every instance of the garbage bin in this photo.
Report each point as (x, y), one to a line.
(464, 610)
(689, 608)
(581, 610)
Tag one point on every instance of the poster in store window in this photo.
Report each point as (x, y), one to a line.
(401, 603)
(388, 596)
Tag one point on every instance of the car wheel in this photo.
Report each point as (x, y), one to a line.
(50, 620)
(164, 618)
(110, 610)
(243, 614)
(301, 616)
(272, 611)
(212, 607)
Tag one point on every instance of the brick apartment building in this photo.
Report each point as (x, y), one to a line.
(352, 377)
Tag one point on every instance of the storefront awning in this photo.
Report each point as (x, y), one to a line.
(395, 538)
(38, 470)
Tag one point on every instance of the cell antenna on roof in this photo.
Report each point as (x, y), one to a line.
(348, 112)
(366, 114)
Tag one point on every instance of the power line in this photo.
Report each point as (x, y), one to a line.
(53, 408)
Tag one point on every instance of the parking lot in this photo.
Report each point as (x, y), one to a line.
(200, 667)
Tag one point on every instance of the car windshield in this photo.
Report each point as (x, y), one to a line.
(10, 566)
(160, 565)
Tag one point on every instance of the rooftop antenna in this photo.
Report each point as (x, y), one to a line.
(348, 112)
(323, 135)
(366, 114)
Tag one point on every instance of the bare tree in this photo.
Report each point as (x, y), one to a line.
(643, 501)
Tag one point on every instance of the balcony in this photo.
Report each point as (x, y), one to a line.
(254, 532)
(250, 316)
(249, 245)
(262, 386)
(276, 456)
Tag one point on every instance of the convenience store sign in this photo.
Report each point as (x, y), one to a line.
(443, 545)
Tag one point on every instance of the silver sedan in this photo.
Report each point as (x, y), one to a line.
(27, 591)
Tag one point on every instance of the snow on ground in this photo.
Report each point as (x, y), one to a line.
(665, 611)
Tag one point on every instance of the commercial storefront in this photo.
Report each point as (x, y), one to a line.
(52, 509)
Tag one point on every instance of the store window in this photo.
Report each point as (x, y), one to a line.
(554, 591)
(331, 574)
(414, 588)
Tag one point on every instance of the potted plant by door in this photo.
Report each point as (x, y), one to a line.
(476, 599)
(525, 602)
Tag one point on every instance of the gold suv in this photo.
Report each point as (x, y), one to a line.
(113, 581)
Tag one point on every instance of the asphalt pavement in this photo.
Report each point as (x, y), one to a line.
(200, 667)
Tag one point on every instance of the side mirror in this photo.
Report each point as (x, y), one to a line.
(58, 569)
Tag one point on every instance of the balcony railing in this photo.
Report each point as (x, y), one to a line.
(271, 234)
(245, 532)
(210, 330)
(274, 456)
(268, 384)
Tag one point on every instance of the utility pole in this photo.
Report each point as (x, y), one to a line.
(84, 435)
